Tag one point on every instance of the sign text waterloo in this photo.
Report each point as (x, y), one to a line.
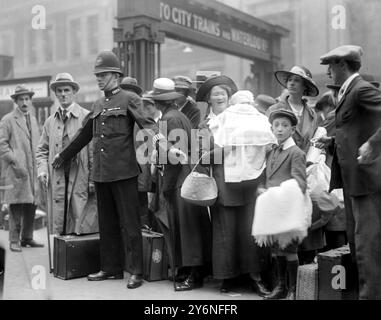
(204, 22)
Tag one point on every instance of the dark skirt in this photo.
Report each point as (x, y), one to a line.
(192, 230)
(234, 249)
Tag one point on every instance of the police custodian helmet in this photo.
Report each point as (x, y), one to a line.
(107, 61)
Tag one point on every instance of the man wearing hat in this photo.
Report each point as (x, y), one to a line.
(356, 165)
(185, 103)
(115, 169)
(19, 136)
(70, 191)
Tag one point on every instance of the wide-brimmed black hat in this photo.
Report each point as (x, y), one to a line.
(283, 113)
(20, 90)
(129, 83)
(163, 90)
(212, 82)
(282, 77)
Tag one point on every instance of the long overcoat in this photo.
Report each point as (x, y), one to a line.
(82, 210)
(17, 151)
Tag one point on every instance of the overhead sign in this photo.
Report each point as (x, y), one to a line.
(39, 86)
(209, 22)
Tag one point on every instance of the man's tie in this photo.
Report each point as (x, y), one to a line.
(28, 123)
(64, 115)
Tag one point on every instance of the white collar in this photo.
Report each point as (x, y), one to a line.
(288, 143)
(69, 109)
(158, 117)
(346, 84)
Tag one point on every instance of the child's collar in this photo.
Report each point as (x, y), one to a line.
(288, 143)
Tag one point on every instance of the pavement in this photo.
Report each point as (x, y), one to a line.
(27, 277)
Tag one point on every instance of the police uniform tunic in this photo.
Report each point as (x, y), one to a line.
(115, 171)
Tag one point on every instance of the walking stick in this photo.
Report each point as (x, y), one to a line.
(45, 187)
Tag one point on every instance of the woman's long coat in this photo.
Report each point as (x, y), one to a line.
(82, 213)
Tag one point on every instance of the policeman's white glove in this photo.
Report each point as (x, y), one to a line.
(43, 178)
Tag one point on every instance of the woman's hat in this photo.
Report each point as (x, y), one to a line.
(163, 89)
(304, 73)
(20, 90)
(212, 82)
(283, 113)
(63, 79)
(129, 83)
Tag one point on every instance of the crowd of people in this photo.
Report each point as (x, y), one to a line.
(122, 165)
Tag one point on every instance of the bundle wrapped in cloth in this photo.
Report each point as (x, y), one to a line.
(282, 215)
(246, 136)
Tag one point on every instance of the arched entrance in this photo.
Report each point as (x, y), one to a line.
(144, 24)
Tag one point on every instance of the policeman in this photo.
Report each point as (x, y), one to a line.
(110, 125)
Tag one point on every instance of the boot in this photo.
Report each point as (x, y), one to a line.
(292, 271)
(280, 290)
(193, 281)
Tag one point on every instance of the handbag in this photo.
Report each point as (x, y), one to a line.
(198, 188)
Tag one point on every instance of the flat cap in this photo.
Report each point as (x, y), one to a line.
(347, 52)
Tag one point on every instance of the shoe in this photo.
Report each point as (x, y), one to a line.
(226, 286)
(31, 244)
(15, 247)
(279, 292)
(189, 283)
(258, 287)
(102, 275)
(291, 294)
(135, 281)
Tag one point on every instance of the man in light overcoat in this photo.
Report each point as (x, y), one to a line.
(19, 134)
(70, 188)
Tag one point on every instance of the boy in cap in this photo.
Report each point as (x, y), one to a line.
(286, 161)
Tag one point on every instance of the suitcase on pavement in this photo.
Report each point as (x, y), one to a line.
(76, 256)
(155, 258)
(307, 282)
(337, 277)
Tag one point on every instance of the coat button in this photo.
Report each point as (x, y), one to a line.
(59, 128)
(103, 123)
(58, 182)
(102, 149)
(102, 136)
(56, 144)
